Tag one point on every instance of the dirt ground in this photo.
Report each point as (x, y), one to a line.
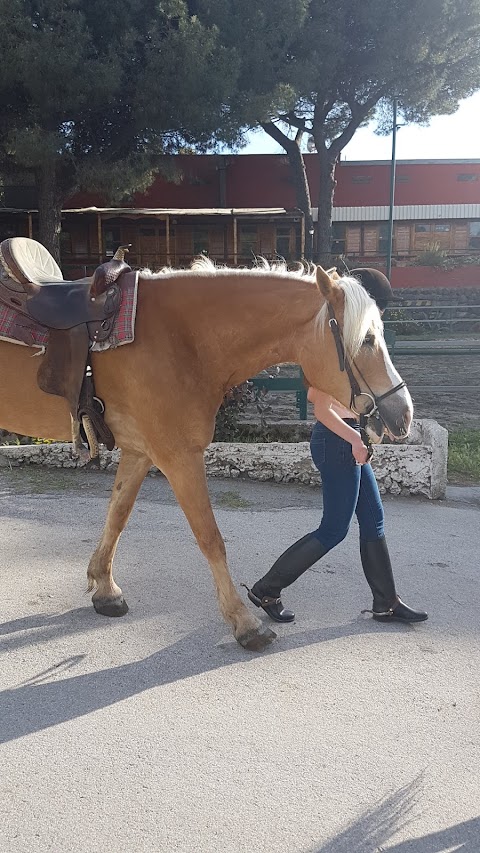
(443, 387)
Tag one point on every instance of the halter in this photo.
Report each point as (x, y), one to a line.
(345, 364)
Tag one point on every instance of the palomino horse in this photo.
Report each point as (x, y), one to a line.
(198, 333)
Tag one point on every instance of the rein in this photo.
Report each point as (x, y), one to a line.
(345, 364)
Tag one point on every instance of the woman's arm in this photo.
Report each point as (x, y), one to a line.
(322, 407)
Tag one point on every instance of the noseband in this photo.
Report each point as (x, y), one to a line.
(345, 364)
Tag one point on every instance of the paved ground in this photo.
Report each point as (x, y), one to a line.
(157, 733)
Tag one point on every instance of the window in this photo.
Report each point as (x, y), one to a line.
(422, 228)
(200, 241)
(361, 179)
(466, 177)
(338, 242)
(282, 242)
(441, 227)
(383, 239)
(112, 239)
(65, 242)
(80, 245)
(474, 235)
(248, 240)
(402, 179)
(354, 240)
(147, 232)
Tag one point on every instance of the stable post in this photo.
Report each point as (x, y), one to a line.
(235, 242)
(167, 236)
(99, 238)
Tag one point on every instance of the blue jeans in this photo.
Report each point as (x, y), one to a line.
(348, 488)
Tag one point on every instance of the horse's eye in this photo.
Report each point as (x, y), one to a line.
(369, 340)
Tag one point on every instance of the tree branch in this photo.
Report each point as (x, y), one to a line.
(276, 134)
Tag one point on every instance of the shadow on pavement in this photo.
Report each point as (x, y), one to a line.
(376, 827)
(65, 624)
(38, 705)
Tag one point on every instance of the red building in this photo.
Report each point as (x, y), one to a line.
(234, 207)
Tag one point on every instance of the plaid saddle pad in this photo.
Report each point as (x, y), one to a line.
(17, 329)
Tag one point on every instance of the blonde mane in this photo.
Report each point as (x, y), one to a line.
(205, 265)
(361, 314)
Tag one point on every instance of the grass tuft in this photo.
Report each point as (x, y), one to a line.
(464, 455)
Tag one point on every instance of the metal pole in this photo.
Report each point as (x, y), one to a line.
(392, 191)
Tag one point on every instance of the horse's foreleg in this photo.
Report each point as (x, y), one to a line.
(108, 598)
(188, 480)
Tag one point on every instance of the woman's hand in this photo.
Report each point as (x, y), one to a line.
(359, 451)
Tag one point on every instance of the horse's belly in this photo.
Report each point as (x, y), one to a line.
(24, 408)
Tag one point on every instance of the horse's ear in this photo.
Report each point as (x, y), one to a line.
(325, 283)
(334, 275)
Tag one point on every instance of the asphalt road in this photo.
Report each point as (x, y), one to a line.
(158, 733)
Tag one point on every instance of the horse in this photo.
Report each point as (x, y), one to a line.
(199, 332)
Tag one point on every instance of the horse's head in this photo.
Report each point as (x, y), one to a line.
(356, 368)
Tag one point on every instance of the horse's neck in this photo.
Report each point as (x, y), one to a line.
(264, 322)
(239, 324)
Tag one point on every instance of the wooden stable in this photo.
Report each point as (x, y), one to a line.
(171, 237)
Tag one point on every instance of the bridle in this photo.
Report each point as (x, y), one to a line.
(345, 364)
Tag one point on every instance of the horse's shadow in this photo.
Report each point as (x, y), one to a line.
(38, 704)
(394, 813)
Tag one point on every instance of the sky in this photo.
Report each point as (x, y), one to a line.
(450, 137)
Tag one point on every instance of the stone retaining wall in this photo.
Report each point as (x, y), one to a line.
(417, 467)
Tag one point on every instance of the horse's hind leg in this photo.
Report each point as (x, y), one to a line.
(108, 598)
(188, 480)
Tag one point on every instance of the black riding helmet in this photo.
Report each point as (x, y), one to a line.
(377, 285)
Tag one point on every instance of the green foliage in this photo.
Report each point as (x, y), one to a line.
(322, 68)
(464, 454)
(228, 426)
(93, 92)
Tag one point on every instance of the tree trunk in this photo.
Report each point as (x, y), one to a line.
(300, 180)
(302, 193)
(325, 206)
(49, 208)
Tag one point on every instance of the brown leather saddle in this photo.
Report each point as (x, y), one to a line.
(77, 314)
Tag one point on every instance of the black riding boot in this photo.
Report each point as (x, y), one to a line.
(290, 565)
(378, 572)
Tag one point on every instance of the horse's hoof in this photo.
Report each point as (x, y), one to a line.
(257, 640)
(110, 606)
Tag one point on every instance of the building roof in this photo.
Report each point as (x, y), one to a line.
(380, 213)
(169, 211)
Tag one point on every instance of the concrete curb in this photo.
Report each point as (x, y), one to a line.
(418, 467)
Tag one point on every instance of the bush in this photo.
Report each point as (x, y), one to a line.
(432, 256)
(228, 426)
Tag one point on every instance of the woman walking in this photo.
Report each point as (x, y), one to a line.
(349, 487)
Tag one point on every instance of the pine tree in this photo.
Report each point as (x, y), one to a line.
(92, 92)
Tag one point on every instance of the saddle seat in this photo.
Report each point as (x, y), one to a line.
(30, 264)
(35, 286)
